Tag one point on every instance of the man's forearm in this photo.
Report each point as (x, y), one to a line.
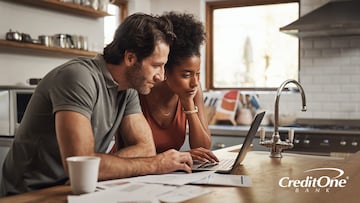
(114, 167)
(139, 150)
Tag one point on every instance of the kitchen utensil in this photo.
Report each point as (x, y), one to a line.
(94, 4)
(229, 100)
(103, 4)
(77, 40)
(254, 102)
(226, 111)
(33, 81)
(244, 116)
(60, 40)
(248, 101)
(13, 35)
(63, 41)
(86, 2)
(46, 40)
(210, 110)
(35, 41)
(26, 38)
(84, 42)
(285, 119)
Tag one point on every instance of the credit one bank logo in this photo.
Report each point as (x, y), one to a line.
(316, 184)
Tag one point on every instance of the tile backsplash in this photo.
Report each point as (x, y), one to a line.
(330, 76)
(330, 73)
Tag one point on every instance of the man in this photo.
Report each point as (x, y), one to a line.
(79, 106)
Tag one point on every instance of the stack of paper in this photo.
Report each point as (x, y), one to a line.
(155, 188)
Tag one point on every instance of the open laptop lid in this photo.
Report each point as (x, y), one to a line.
(246, 146)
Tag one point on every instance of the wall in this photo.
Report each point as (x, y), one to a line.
(330, 73)
(17, 67)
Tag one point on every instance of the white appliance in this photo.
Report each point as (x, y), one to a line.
(13, 102)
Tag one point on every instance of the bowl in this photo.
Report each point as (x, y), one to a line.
(285, 119)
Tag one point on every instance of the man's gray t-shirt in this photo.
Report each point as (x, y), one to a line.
(82, 85)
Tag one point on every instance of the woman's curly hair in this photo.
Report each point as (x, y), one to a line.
(190, 35)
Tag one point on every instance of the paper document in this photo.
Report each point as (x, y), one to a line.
(141, 193)
(226, 179)
(180, 178)
(136, 193)
(183, 193)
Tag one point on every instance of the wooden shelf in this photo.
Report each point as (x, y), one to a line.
(66, 7)
(41, 49)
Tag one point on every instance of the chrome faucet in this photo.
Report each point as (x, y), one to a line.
(276, 145)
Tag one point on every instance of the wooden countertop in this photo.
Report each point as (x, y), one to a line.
(265, 173)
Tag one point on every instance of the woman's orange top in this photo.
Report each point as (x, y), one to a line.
(171, 137)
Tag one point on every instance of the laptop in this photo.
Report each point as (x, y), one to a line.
(226, 165)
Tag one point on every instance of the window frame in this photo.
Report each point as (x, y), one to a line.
(123, 7)
(210, 7)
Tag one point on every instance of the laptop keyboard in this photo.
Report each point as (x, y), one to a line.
(225, 163)
(208, 164)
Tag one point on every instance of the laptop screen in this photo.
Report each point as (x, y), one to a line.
(249, 137)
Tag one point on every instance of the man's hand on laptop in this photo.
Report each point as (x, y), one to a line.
(203, 155)
(173, 160)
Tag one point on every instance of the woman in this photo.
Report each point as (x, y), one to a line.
(179, 98)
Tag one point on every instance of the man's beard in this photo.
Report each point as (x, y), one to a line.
(136, 79)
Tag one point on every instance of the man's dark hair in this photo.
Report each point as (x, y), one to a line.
(138, 33)
(190, 35)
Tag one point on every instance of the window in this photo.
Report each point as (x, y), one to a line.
(245, 48)
(118, 11)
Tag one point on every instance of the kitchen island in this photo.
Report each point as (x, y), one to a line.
(294, 178)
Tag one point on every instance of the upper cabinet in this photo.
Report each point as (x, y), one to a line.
(66, 7)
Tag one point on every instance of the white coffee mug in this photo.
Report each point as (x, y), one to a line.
(83, 173)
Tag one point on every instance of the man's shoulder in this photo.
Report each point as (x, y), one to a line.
(132, 92)
(84, 62)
